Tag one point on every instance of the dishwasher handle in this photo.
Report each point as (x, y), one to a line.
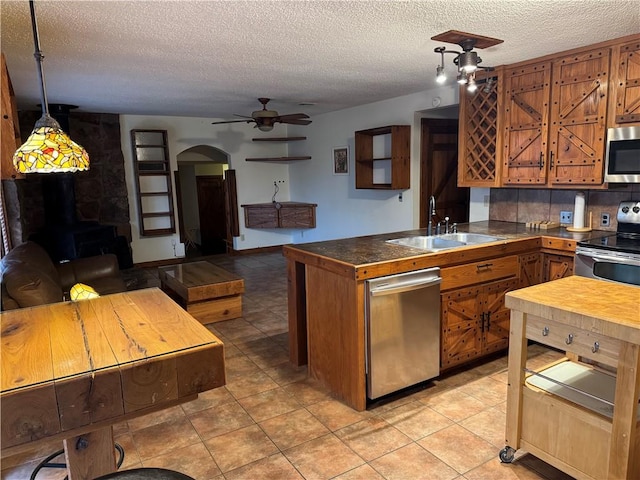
(392, 289)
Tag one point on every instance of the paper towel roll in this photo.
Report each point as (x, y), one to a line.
(578, 211)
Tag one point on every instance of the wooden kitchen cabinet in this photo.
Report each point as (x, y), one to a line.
(555, 121)
(530, 269)
(11, 140)
(625, 84)
(479, 147)
(474, 319)
(385, 150)
(556, 266)
(280, 215)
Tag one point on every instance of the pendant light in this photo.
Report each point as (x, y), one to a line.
(48, 149)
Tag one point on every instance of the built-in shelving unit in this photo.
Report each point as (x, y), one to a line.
(153, 182)
(383, 152)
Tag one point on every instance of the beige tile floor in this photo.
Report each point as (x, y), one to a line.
(272, 422)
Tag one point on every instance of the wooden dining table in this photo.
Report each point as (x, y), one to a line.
(71, 370)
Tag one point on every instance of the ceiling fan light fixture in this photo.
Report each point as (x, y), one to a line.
(265, 128)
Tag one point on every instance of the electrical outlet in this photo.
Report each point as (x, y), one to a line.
(605, 220)
(566, 217)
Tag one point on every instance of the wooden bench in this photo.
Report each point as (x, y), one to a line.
(207, 292)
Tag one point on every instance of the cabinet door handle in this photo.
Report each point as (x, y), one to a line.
(482, 322)
(569, 339)
(551, 161)
(484, 265)
(541, 163)
(488, 321)
(596, 347)
(545, 331)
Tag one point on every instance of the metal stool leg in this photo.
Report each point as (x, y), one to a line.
(47, 463)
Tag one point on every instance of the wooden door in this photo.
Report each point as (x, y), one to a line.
(496, 315)
(626, 84)
(527, 93)
(461, 336)
(439, 164)
(579, 118)
(211, 206)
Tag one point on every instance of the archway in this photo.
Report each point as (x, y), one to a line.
(202, 214)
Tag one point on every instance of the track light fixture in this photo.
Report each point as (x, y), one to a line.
(467, 61)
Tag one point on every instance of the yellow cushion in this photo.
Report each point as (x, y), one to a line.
(80, 291)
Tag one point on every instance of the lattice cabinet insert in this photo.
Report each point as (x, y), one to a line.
(479, 146)
(153, 182)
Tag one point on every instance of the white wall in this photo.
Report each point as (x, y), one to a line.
(342, 210)
(254, 179)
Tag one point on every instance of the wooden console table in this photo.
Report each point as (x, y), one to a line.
(594, 321)
(71, 370)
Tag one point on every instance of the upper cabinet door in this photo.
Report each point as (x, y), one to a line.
(526, 100)
(626, 84)
(579, 118)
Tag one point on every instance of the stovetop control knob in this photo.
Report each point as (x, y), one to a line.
(625, 209)
(636, 209)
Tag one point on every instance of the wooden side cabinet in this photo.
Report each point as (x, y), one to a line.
(10, 127)
(625, 81)
(383, 158)
(280, 215)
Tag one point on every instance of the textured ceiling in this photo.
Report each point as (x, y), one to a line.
(214, 58)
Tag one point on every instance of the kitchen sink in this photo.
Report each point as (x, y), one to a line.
(444, 242)
(470, 238)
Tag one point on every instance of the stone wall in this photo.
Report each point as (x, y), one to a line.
(101, 192)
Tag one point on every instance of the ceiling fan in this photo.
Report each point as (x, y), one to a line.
(266, 119)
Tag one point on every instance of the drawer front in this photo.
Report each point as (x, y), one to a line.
(564, 244)
(479, 272)
(582, 342)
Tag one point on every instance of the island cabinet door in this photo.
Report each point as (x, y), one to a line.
(461, 336)
(495, 316)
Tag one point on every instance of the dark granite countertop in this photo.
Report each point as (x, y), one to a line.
(373, 248)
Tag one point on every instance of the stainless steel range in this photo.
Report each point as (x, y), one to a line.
(615, 257)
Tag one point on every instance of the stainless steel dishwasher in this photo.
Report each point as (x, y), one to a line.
(403, 330)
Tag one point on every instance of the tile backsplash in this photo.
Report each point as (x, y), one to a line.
(528, 205)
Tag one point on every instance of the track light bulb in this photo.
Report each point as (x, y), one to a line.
(440, 75)
(472, 86)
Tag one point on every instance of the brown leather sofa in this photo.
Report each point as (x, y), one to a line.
(29, 277)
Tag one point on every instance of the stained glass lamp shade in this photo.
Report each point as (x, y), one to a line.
(48, 149)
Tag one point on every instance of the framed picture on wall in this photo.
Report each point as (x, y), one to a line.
(341, 160)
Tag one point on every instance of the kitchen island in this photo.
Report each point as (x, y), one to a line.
(577, 415)
(326, 290)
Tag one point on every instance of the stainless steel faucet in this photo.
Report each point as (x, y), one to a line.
(432, 213)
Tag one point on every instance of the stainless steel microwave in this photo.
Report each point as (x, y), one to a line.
(623, 155)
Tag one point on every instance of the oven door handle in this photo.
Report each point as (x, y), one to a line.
(611, 259)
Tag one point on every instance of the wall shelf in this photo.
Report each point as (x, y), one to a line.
(279, 139)
(276, 159)
(396, 154)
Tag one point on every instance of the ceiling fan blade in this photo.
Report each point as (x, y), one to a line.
(293, 116)
(295, 121)
(232, 121)
(242, 116)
